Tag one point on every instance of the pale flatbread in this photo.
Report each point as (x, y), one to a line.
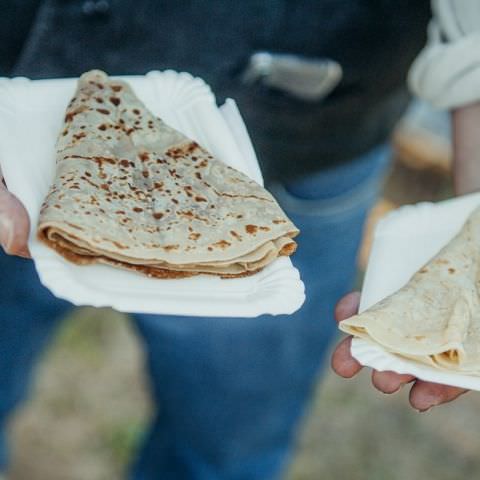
(435, 317)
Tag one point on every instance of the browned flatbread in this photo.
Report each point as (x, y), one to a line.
(134, 193)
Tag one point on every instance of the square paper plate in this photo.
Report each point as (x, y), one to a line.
(404, 241)
(31, 114)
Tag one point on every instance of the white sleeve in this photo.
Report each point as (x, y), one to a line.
(447, 71)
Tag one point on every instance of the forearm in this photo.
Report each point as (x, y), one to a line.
(447, 74)
(466, 148)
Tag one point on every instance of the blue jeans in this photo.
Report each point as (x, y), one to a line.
(230, 391)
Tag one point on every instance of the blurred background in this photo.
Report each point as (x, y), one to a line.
(90, 403)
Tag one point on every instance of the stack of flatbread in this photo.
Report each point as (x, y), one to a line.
(435, 318)
(134, 193)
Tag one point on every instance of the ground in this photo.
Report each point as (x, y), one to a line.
(90, 407)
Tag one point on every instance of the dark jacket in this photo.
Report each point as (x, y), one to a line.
(373, 40)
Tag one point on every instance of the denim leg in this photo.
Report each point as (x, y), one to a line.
(231, 391)
(28, 315)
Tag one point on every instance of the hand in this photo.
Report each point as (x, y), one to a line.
(423, 395)
(14, 224)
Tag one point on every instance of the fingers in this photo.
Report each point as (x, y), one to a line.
(425, 395)
(347, 306)
(14, 224)
(390, 382)
(343, 363)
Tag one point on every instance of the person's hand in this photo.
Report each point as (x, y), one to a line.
(14, 224)
(423, 395)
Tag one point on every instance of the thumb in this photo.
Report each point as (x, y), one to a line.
(347, 306)
(14, 224)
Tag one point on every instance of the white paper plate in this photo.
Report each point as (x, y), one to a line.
(404, 241)
(31, 114)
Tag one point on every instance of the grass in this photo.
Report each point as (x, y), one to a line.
(90, 405)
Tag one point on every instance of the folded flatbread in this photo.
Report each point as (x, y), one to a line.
(435, 317)
(134, 193)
